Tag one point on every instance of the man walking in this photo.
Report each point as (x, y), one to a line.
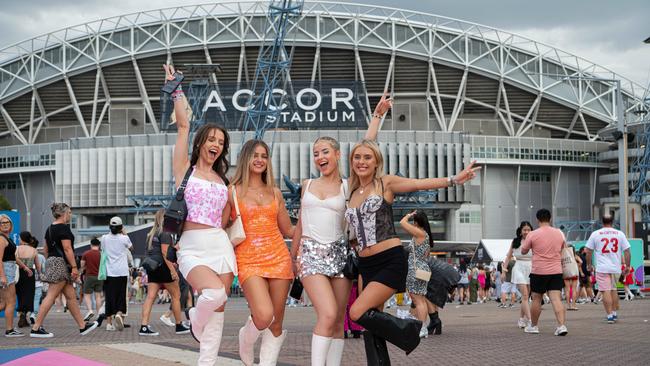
(92, 286)
(546, 274)
(607, 244)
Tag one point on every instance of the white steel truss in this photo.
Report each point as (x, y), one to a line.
(529, 65)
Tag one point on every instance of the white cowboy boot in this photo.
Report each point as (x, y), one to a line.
(270, 349)
(335, 354)
(211, 340)
(319, 348)
(248, 334)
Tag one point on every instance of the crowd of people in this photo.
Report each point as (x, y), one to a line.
(345, 252)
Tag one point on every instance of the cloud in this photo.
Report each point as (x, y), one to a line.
(605, 32)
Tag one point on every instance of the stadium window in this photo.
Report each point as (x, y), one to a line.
(475, 217)
(464, 217)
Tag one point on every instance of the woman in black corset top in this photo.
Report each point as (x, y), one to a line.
(383, 265)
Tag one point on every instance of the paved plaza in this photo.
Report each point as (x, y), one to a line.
(472, 334)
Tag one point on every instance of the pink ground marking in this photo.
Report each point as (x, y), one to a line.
(49, 358)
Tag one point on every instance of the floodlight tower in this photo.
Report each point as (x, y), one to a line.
(272, 70)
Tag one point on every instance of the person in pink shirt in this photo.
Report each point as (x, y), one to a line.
(546, 275)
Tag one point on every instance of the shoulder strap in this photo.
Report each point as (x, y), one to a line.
(308, 184)
(345, 187)
(58, 250)
(234, 198)
(180, 193)
(382, 186)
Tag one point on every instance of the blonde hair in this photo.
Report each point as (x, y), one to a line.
(242, 174)
(335, 145)
(157, 227)
(379, 171)
(5, 216)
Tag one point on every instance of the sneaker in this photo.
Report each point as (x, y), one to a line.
(110, 327)
(88, 328)
(13, 333)
(509, 306)
(146, 331)
(501, 306)
(615, 316)
(561, 331)
(89, 316)
(100, 319)
(32, 319)
(166, 320)
(40, 333)
(119, 322)
(532, 329)
(521, 323)
(611, 319)
(182, 329)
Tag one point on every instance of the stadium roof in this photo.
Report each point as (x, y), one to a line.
(543, 72)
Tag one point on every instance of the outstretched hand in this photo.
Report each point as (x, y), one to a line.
(384, 105)
(467, 174)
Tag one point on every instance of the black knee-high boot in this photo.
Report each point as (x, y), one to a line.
(404, 333)
(376, 351)
(435, 324)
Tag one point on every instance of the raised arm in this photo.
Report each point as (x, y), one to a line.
(180, 161)
(403, 185)
(413, 230)
(384, 105)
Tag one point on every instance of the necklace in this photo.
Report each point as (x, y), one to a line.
(361, 189)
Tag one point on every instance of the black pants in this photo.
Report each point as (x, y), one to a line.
(25, 289)
(115, 294)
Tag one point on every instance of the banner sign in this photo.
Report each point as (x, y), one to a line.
(300, 105)
(15, 219)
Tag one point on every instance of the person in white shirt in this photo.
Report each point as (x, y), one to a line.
(607, 244)
(116, 245)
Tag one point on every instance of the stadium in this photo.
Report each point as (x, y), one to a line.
(82, 122)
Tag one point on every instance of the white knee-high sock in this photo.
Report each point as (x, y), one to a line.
(319, 348)
(209, 301)
(335, 353)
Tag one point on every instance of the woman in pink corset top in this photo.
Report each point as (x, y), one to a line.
(206, 257)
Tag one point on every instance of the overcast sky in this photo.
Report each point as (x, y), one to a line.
(608, 32)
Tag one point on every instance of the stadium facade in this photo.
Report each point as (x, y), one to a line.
(81, 119)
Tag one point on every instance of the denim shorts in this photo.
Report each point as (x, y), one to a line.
(10, 272)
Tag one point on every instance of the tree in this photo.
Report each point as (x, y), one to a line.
(4, 204)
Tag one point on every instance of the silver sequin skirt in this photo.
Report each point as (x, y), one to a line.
(326, 259)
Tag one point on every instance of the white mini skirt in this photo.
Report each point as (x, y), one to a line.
(206, 247)
(521, 272)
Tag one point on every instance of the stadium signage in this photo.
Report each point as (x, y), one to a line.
(337, 104)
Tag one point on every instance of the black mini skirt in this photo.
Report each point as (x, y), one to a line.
(389, 268)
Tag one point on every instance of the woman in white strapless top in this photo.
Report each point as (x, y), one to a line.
(521, 270)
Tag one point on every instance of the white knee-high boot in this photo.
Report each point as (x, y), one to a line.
(335, 353)
(248, 334)
(320, 346)
(209, 301)
(270, 349)
(211, 340)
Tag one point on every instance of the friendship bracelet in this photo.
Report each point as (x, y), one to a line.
(178, 95)
(375, 115)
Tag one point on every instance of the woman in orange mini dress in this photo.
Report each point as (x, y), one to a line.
(263, 260)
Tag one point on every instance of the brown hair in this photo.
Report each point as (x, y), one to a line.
(157, 227)
(59, 209)
(220, 166)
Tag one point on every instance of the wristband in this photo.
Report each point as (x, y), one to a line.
(375, 115)
(451, 180)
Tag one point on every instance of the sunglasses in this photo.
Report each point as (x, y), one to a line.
(5, 222)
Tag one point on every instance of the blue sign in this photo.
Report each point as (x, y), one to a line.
(14, 216)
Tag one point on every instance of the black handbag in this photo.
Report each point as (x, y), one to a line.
(351, 268)
(171, 254)
(296, 289)
(176, 212)
(151, 263)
